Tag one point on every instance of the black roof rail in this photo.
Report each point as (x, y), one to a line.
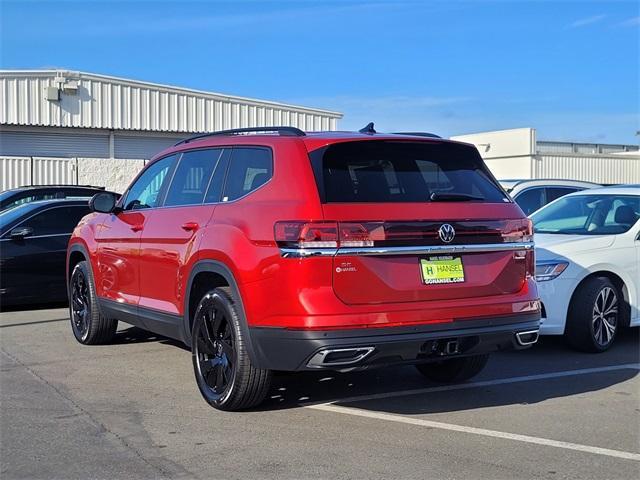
(418, 134)
(286, 131)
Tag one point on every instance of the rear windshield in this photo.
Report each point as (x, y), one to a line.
(389, 171)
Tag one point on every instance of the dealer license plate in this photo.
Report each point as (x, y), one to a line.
(443, 269)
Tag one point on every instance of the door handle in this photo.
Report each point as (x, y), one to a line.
(190, 226)
(137, 228)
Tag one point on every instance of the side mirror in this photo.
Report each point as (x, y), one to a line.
(20, 232)
(103, 202)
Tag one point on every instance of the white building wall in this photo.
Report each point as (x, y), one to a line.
(97, 101)
(513, 154)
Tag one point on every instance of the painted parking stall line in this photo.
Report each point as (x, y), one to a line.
(357, 412)
(477, 431)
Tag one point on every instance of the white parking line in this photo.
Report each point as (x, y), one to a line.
(331, 407)
(486, 383)
(477, 431)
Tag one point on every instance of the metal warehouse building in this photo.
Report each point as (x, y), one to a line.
(517, 154)
(59, 126)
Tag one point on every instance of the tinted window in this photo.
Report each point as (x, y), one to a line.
(57, 220)
(249, 169)
(376, 171)
(217, 181)
(530, 200)
(192, 176)
(553, 193)
(145, 192)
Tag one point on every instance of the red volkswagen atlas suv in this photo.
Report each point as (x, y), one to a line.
(271, 249)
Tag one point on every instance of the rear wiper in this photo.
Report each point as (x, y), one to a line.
(453, 197)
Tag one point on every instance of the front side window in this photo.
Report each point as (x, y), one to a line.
(145, 192)
(588, 215)
(385, 171)
(249, 168)
(56, 221)
(192, 176)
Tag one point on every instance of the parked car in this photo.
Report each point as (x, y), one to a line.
(33, 193)
(588, 257)
(271, 249)
(534, 194)
(33, 246)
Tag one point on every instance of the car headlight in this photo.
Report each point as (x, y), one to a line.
(549, 270)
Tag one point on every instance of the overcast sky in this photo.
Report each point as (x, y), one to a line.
(569, 69)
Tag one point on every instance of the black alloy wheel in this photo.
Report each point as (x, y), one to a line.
(88, 325)
(224, 373)
(80, 305)
(214, 349)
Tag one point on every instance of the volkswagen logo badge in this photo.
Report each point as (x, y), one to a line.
(446, 233)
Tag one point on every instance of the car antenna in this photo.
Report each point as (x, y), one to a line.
(368, 129)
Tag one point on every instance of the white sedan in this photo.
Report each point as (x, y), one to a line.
(587, 265)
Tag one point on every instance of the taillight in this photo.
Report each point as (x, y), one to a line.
(518, 231)
(360, 234)
(307, 234)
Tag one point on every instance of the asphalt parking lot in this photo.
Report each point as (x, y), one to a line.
(132, 410)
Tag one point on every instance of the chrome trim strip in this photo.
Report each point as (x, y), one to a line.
(528, 332)
(425, 250)
(318, 360)
(436, 249)
(308, 252)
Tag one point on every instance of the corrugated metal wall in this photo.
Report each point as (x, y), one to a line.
(15, 172)
(118, 104)
(608, 169)
(65, 143)
(130, 146)
(19, 171)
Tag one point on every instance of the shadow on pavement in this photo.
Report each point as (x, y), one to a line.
(290, 390)
(552, 355)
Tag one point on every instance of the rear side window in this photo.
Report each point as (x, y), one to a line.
(554, 193)
(383, 171)
(192, 177)
(250, 168)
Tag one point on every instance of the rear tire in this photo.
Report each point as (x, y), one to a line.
(88, 325)
(453, 370)
(594, 316)
(225, 376)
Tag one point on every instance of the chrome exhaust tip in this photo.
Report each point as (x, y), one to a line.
(339, 357)
(527, 338)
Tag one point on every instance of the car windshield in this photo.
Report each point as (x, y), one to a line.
(588, 215)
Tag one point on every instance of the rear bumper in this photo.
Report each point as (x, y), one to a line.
(295, 350)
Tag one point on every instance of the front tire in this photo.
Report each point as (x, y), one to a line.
(88, 325)
(225, 376)
(594, 316)
(453, 370)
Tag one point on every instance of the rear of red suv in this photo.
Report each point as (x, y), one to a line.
(356, 250)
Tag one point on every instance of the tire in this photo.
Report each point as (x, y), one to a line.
(88, 325)
(453, 370)
(225, 376)
(591, 324)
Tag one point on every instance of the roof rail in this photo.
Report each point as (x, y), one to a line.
(286, 131)
(418, 134)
